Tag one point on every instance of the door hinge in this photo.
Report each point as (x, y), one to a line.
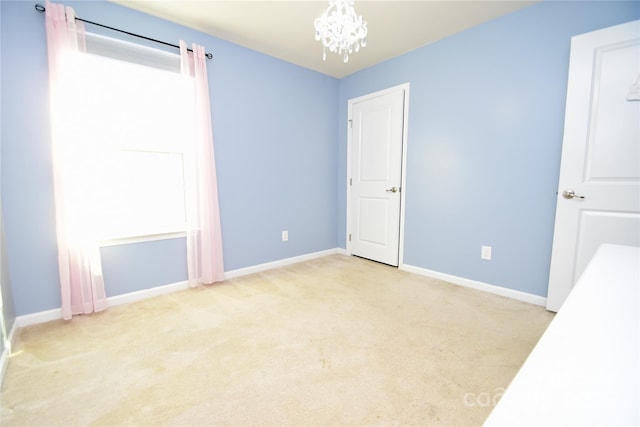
(350, 181)
(349, 236)
(350, 123)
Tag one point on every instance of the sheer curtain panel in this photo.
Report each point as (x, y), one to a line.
(81, 280)
(204, 237)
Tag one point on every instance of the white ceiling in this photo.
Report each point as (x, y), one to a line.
(284, 29)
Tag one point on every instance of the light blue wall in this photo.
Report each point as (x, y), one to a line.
(485, 130)
(484, 140)
(275, 132)
(8, 307)
(6, 291)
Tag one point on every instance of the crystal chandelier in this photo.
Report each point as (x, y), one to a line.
(340, 29)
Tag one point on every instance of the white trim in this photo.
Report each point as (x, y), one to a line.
(403, 178)
(174, 234)
(39, 317)
(56, 313)
(473, 284)
(6, 353)
(281, 263)
(136, 53)
(147, 293)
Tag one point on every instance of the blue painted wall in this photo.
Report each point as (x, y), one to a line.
(6, 291)
(484, 140)
(275, 131)
(485, 130)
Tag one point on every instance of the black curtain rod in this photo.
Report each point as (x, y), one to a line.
(40, 8)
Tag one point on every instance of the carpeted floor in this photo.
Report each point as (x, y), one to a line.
(333, 341)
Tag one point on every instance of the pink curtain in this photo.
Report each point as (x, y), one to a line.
(81, 280)
(204, 236)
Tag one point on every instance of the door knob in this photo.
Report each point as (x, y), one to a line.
(570, 194)
(392, 190)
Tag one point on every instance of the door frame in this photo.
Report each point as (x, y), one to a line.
(405, 124)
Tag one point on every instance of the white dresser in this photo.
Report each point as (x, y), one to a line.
(585, 370)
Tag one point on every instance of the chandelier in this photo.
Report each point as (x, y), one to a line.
(340, 30)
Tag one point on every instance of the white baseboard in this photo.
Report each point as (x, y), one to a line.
(481, 286)
(281, 263)
(55, 314)
(39, 317)
(146, 293)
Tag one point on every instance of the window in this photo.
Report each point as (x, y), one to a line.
(128, 124)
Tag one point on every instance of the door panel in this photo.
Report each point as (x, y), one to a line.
(610, 111)
(373, 220)
(600, 155)
(376, 137)
(375, 143)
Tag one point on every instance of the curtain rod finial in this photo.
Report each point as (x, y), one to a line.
(40, 8)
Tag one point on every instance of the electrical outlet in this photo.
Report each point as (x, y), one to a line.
(285, 235)
(485, 253)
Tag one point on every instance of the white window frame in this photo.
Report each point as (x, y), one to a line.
(142, 55)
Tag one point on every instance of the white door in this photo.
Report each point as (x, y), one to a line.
(375, 179)
(599, 187)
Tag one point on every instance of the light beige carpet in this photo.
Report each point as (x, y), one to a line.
(333, 341)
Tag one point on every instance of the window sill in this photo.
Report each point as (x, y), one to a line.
(144, 238)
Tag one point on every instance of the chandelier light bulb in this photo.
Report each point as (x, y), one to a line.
(340, 29)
